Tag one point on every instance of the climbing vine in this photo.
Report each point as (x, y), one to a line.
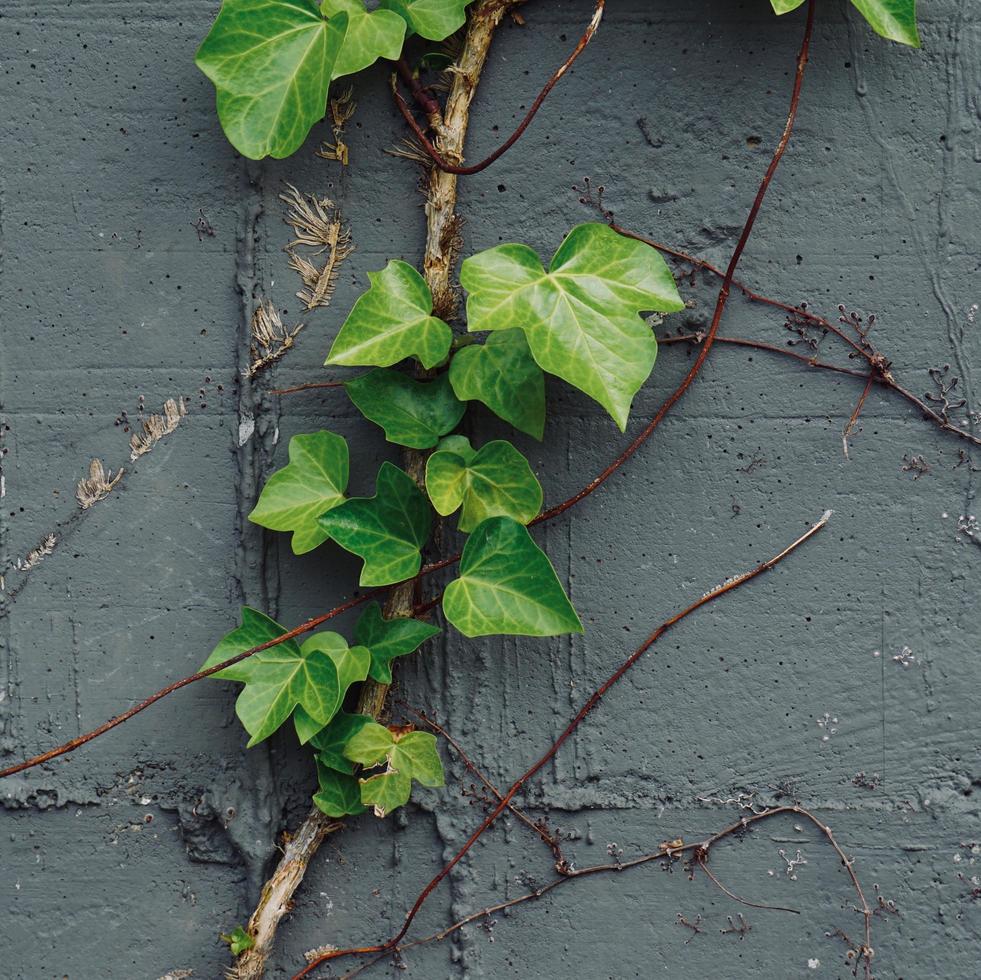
(586, 317)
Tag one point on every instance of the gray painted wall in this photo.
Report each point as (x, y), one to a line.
(126, 860)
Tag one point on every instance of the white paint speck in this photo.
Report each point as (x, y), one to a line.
(246, 427)
(813, 964)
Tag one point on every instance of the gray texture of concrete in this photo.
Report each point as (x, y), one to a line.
(127, 859)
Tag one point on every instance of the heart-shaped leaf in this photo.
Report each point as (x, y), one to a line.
(387, 639)
(271, 62)
(503, 375)
(386, 530)
(507, 585)
(495, 481)
(582, 317)
(432, 19)
(412, 413)
(407, 756)
(392, 321)
(339, 794)
(370, 35)
(311, 484)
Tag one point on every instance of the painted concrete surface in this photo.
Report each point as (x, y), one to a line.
(127, 859)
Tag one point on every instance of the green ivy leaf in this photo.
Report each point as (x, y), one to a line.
(271, 62)
(503, 375)
(370, 35)
(339, 793)
(387, 639)
(238, 940)
(412, 413)
(432, 19)
(582, 317)
(312, 483)
(507, 585)
(386, 530)
(330, 741)
(407, 755)
(392, 321)
(495, 481)
(893, 19)
(311, 678)
(351, 665)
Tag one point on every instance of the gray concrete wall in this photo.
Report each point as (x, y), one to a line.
(128, 859)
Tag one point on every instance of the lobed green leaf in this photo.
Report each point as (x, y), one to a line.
(503, 375)
(392, 321)
(312, 483)
(330, 741)
(387, 639)
(387, 530)
(434, 20)
(581, 317)
(412, 413)
(495, 481)
(507, 585)
(370, 35)
(893, 19)
(339, 794)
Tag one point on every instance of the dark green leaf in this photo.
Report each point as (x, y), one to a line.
(503, 375)
(391, 321)
(339, 794)
(894, 19)
(330, 741)
(412, 413)
(271, 62)
(386, 530)
(387, 639)
(507, 585)
(370, 35)
(311, 484)
(432, 19)
(351, 665)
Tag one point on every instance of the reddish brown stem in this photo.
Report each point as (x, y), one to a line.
(728, 586)
(476, 168)
(306, 386)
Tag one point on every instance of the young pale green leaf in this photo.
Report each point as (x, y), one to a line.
(408, 755)
(351, 665)
(370, 35)
(893, 19)
(386, 530)
(271, 62)
(311, 484)
(582, 317)
(412, 413)
(330, 741)
(257, 628)
(387, 639)
(238, 940)
(507, 585)
(434, 20)
(392, 320)
(495, 481)
(503, 375)
(339, 794)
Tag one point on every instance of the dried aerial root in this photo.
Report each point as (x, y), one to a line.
(317, 224)
(156, 427)
(38, 554)
(97, 486)
(270, 339)
(341, 110)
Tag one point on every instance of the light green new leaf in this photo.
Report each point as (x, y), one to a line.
(370, 35)
(433, 19)
(392, 321)
(238, 940)
(330, 741)
(507, 585)
(351, 666)
(408, 755)
(339, 794)
(495, 481)
(412, 413)
(894, 19)
(257, 628)
(387, 639)
(271, 62)
(582, 317)
(311, 484)
(386, 530)
(503, 375)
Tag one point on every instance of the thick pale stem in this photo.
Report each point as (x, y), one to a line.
(442, 248)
